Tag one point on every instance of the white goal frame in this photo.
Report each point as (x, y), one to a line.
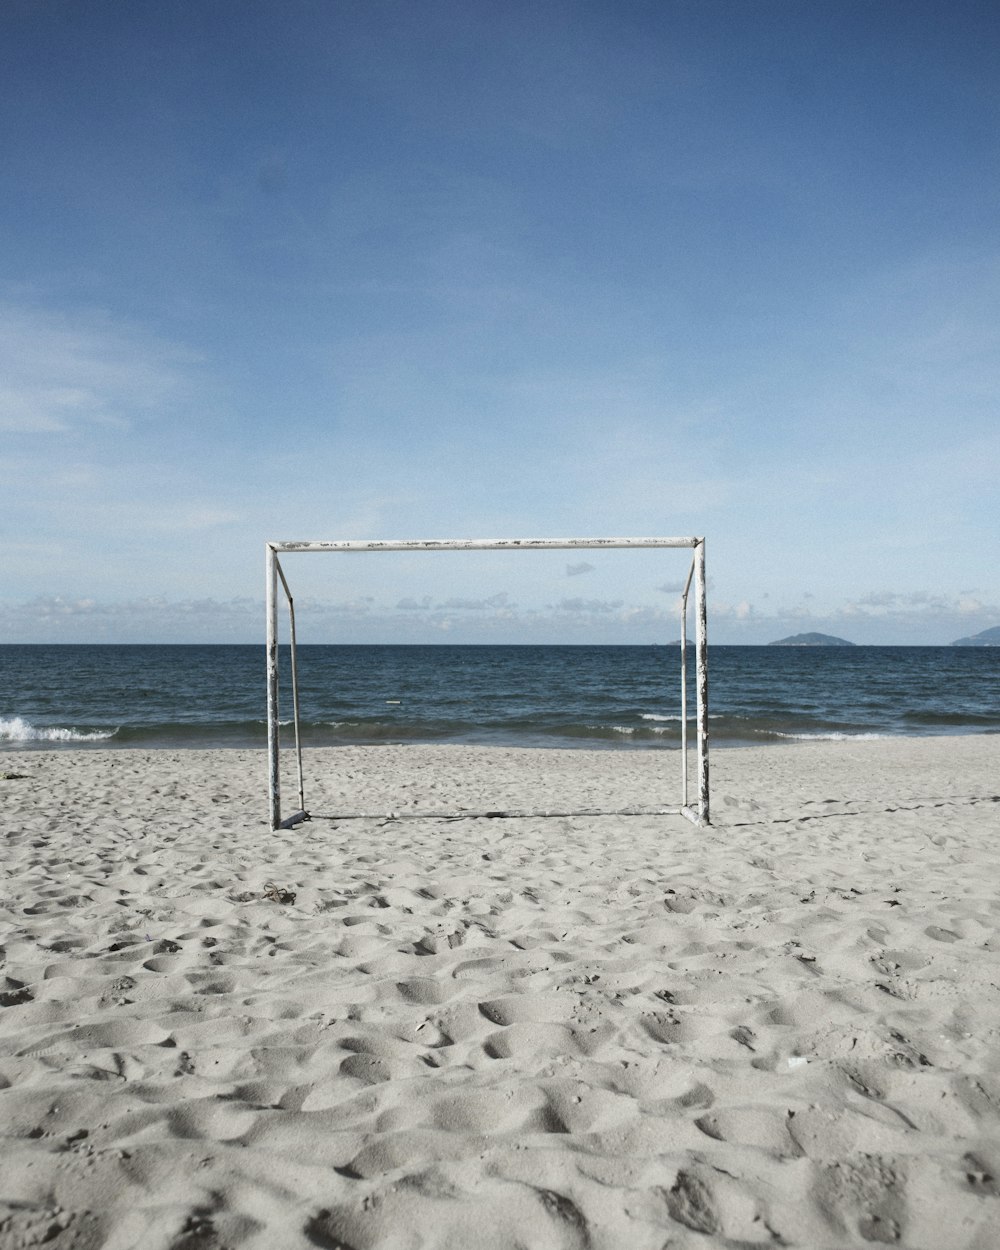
(275, 575)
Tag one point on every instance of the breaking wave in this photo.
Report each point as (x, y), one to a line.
(833, 736)
(16, 729)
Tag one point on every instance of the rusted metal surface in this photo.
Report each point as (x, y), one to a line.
(684, 696)
(702, 681)
(273, 755)
(700, 815)
(481, 544)
(295, 683)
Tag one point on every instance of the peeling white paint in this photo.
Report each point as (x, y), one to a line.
(699, 815)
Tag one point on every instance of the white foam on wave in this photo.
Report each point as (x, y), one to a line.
(691, 717)
(16, 729)
(834, 736)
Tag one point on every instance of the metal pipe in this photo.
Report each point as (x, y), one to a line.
(295, 684)
(273, 758)
(684, 697)
(481, 544)
(295, 704)
(702, 680)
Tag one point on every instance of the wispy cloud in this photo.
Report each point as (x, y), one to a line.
(193, 517)
(874, 617)
(589, 605)
(501, 600)
(64, 618)
(917, 606)
(577, 570)
(62, 369)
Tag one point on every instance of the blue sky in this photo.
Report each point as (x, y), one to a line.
(306, 269)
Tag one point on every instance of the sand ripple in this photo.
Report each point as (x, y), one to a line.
(580, 1032)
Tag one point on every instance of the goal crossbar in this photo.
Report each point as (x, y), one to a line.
(698, 813)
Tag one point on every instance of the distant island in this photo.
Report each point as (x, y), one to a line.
(988, 638)
(811, 640)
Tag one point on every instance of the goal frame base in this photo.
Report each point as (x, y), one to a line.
(303, 817)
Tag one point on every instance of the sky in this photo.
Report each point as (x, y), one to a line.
(352, 269)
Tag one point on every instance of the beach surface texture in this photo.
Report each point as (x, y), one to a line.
(581, 1031)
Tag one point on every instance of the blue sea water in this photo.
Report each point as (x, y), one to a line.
(558, 696)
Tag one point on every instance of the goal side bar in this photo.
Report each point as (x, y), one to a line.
(700, 815)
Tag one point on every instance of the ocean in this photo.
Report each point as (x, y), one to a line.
(538, 696)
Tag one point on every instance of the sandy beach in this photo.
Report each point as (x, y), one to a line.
(597, 1031)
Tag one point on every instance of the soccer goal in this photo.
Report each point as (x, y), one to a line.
(697, 812)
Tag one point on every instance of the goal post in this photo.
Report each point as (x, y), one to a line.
(698, 813)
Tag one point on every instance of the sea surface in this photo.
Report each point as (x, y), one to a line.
(539, 696)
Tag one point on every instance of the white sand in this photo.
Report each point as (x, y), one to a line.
(582, 1032)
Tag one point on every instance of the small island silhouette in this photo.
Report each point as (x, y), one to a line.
(986, 638)
(811, 640)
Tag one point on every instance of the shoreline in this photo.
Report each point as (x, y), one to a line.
(594, 1031)
(622, 743)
